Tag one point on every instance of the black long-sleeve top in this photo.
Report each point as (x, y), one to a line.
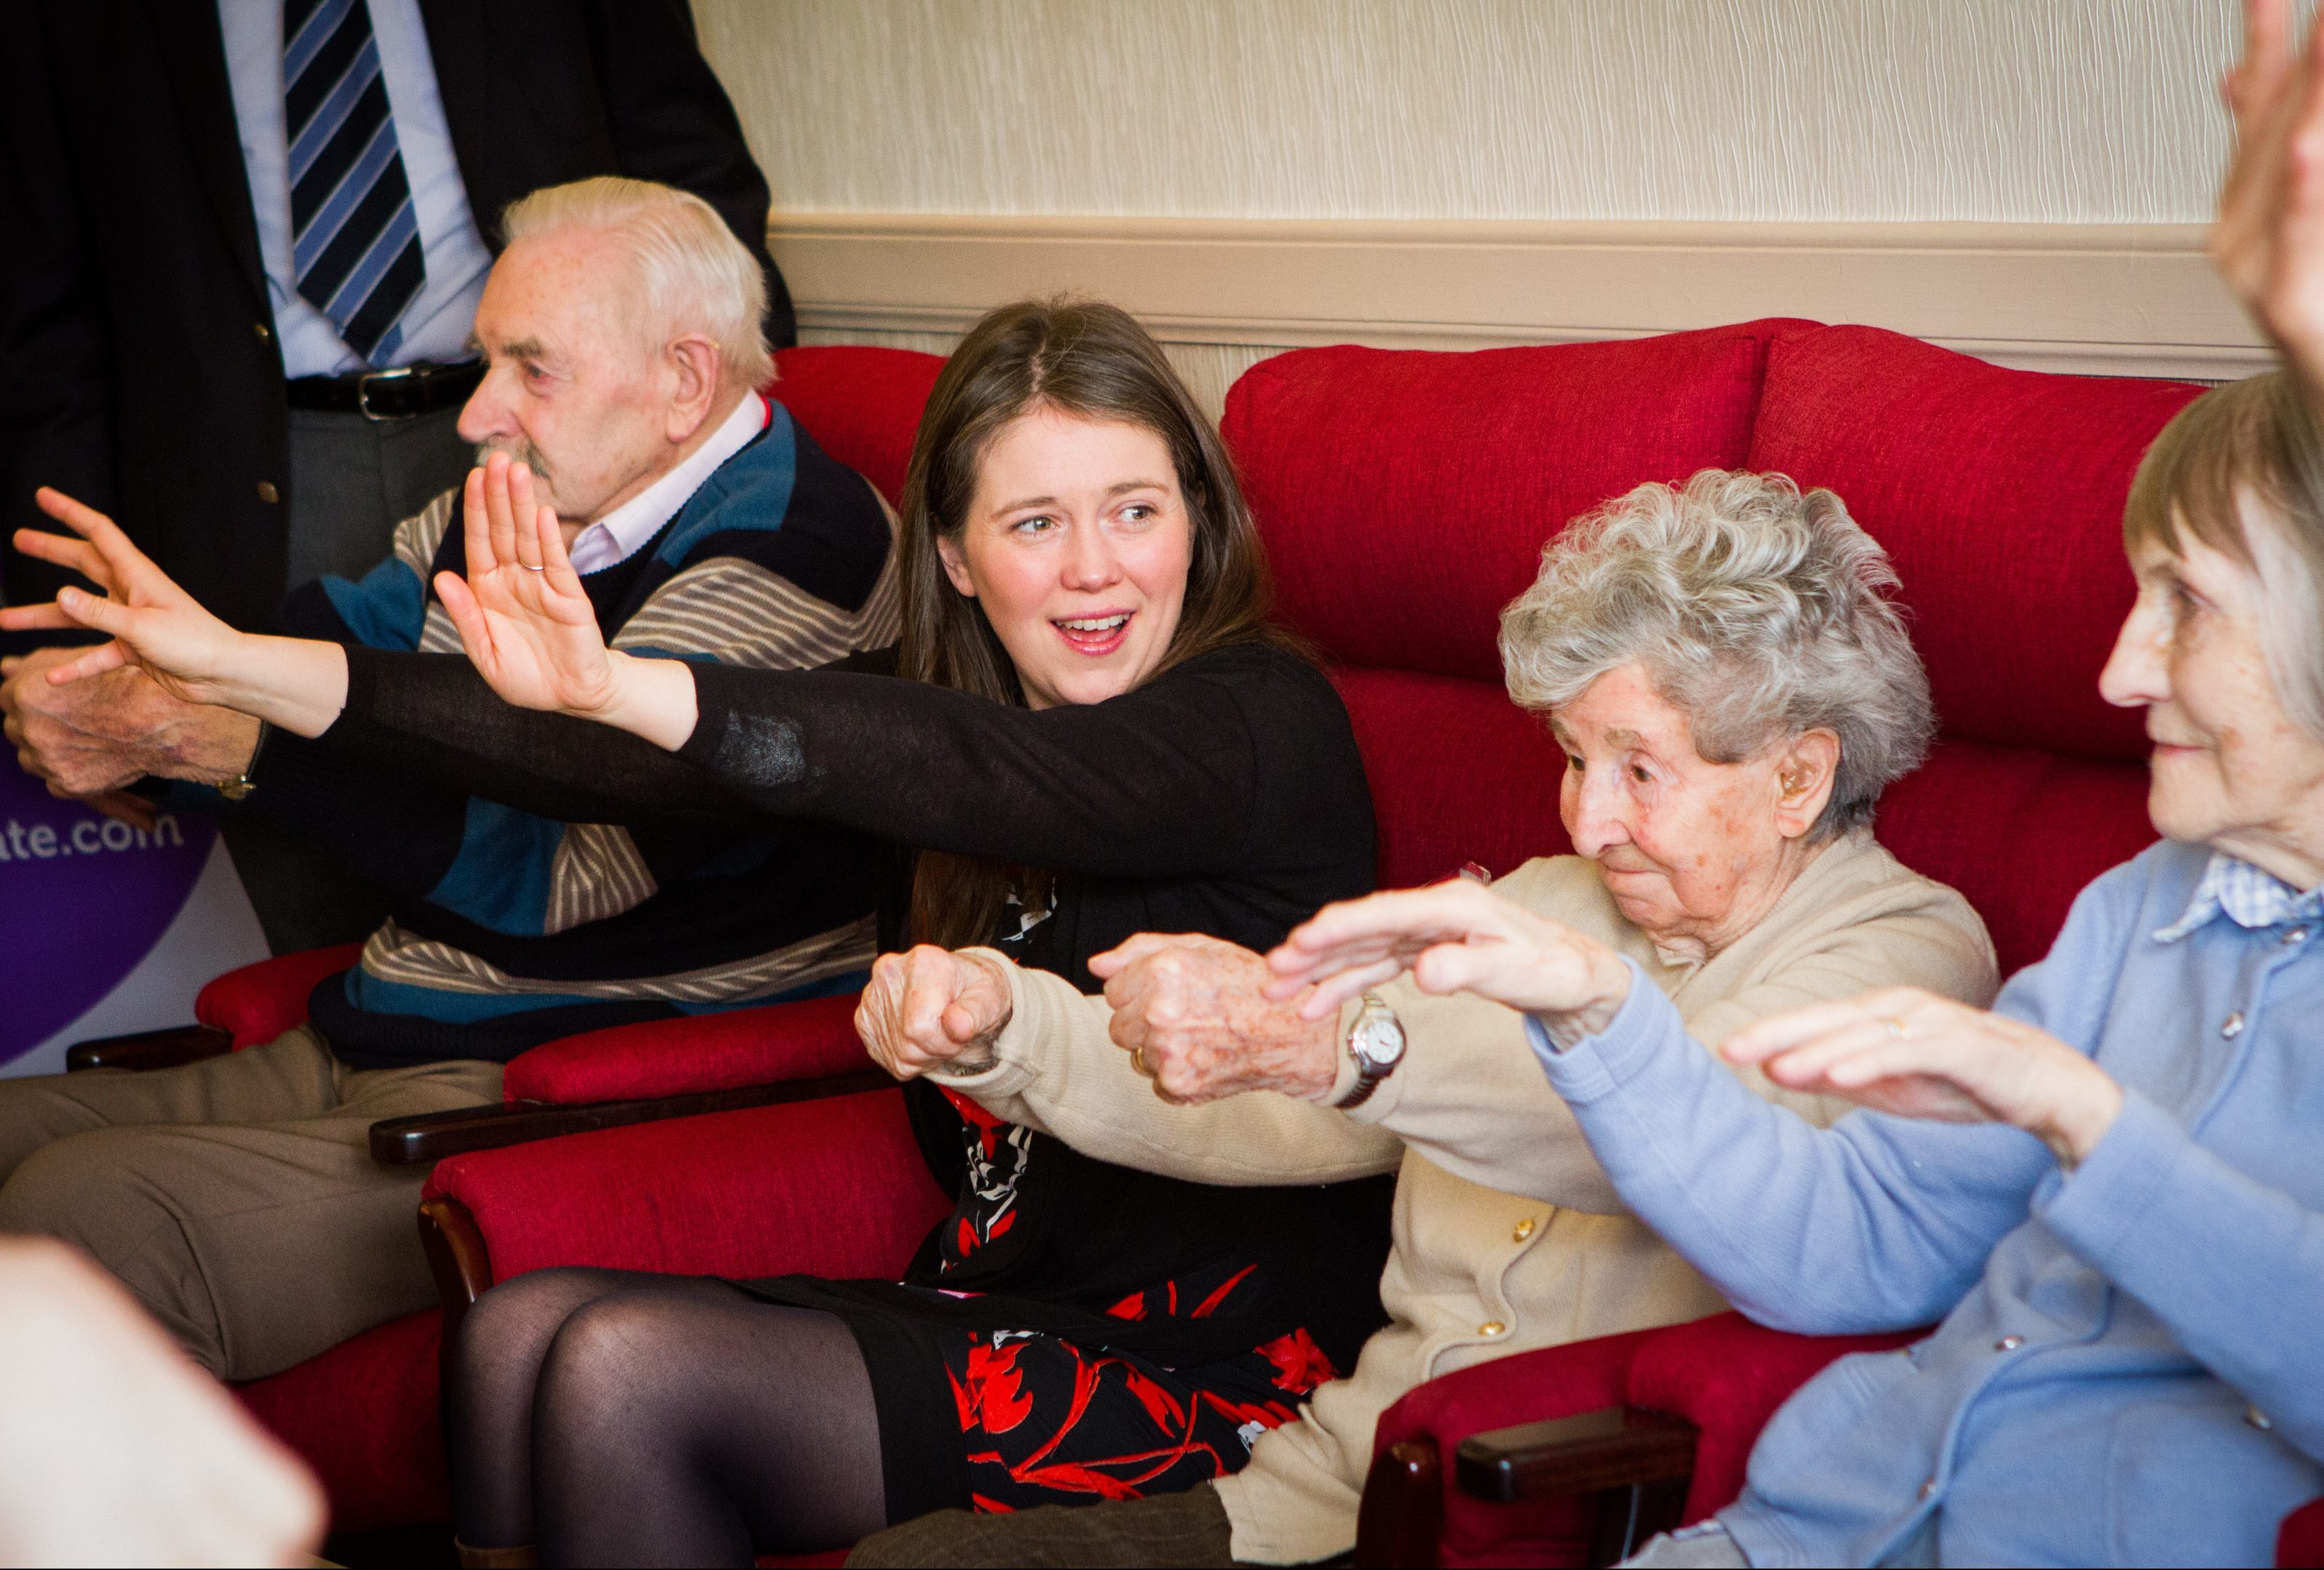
(1225, 795)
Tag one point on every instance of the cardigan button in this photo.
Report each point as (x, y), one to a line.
(1491, 1327)
(2233, 1026)
(2009, 1343)
(2258, 1419)
(2296, 935)
(1523, 1230)
(1928, 1488)
(268, 493)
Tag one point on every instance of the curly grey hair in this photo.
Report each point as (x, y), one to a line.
(1760, 612)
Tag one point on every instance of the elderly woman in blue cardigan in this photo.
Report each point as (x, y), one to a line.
(2108, 1193)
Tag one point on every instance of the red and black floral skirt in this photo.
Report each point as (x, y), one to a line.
(1048, 1421)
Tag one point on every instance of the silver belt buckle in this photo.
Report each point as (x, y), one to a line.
(363, 390)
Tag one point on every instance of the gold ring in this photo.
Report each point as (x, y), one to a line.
(1897, 1030)
(1137, 1060)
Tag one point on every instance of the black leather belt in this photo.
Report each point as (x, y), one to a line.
(396, 394)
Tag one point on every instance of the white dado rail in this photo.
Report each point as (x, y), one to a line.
(2115, 298)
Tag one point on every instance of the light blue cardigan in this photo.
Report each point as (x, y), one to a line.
(2129, 1368)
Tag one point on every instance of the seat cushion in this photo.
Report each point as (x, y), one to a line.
(1404, 495)
(830, 1188)
(861, 404)
(365, 1415)
(1998, 495)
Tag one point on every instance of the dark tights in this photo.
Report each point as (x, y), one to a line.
(618, 1417)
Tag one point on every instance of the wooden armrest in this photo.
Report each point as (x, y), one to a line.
(430, 1137)
(1637, 1462)
(150, 1048)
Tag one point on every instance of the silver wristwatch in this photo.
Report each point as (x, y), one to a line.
(1376, 1041)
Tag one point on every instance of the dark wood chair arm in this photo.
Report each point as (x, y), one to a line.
(430, 1137)
(459, 1261)
(1402, 1517)
(1637, 1463)
(150, 1048)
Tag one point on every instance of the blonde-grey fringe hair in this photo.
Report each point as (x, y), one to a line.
(1759, 611)
(691, 273)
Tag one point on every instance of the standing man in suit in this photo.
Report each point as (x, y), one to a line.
(248, 240)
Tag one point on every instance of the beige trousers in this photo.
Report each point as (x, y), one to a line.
(235, 1197)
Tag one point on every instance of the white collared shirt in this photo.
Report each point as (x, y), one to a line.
(2247, 896)
(437, 324)
(620, 533)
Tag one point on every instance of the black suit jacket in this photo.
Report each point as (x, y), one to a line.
(138, 366)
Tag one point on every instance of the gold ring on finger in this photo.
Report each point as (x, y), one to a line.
(1897, 1030)
(1137, 1061)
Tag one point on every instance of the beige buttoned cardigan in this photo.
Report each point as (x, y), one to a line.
(1506, 1236)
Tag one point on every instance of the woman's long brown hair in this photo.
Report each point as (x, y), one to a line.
(1085, 358)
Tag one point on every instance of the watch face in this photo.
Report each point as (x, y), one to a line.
(1378, 1039)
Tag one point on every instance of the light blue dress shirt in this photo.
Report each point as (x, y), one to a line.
(438, 324)
(2128, 1362)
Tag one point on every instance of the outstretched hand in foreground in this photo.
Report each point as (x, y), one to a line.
(299, 684)
(2268, 243)
(114, 1449)
(529, 627)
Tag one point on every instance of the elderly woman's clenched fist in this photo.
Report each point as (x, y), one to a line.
(930, 1008)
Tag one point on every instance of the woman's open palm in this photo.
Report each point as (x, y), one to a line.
(154, 624)
(523, 614)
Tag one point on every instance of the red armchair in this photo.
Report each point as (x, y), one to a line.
(1626, 1435)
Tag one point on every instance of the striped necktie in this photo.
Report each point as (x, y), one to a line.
(355, 241)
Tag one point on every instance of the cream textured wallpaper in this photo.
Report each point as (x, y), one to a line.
(2071, 111)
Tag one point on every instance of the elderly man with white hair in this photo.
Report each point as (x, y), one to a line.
(235, 1196)
(1732, 691)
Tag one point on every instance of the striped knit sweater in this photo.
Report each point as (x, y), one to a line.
(509, 929)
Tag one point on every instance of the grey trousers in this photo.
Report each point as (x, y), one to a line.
(351, 481)
(235, 1197)
(1187, 1530)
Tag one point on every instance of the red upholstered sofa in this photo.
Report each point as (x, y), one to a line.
(1404, 498)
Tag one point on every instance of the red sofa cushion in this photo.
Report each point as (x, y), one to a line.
(1727, 1376)
(1557, 1382)
(1998, 495)
(1459, 773)
(783, 1041)
(862, 405)
(1405, 496)
(2019, 833)
(364, 1415)
(259, 1001)
(833, 1188)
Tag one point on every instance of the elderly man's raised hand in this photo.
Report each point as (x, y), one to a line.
(1194, 1014)
(1454, 937)
(1909, 1052)
(931, 1008)
(2269, 240)
(114, 1449)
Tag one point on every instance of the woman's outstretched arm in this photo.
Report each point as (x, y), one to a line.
(299, 684)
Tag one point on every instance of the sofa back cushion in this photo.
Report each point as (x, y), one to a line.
(1998, 496)
(1405, 496)
(861, 404)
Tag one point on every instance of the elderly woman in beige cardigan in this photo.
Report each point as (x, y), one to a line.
(1732, 692)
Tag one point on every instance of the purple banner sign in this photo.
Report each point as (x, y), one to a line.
(82, 900)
